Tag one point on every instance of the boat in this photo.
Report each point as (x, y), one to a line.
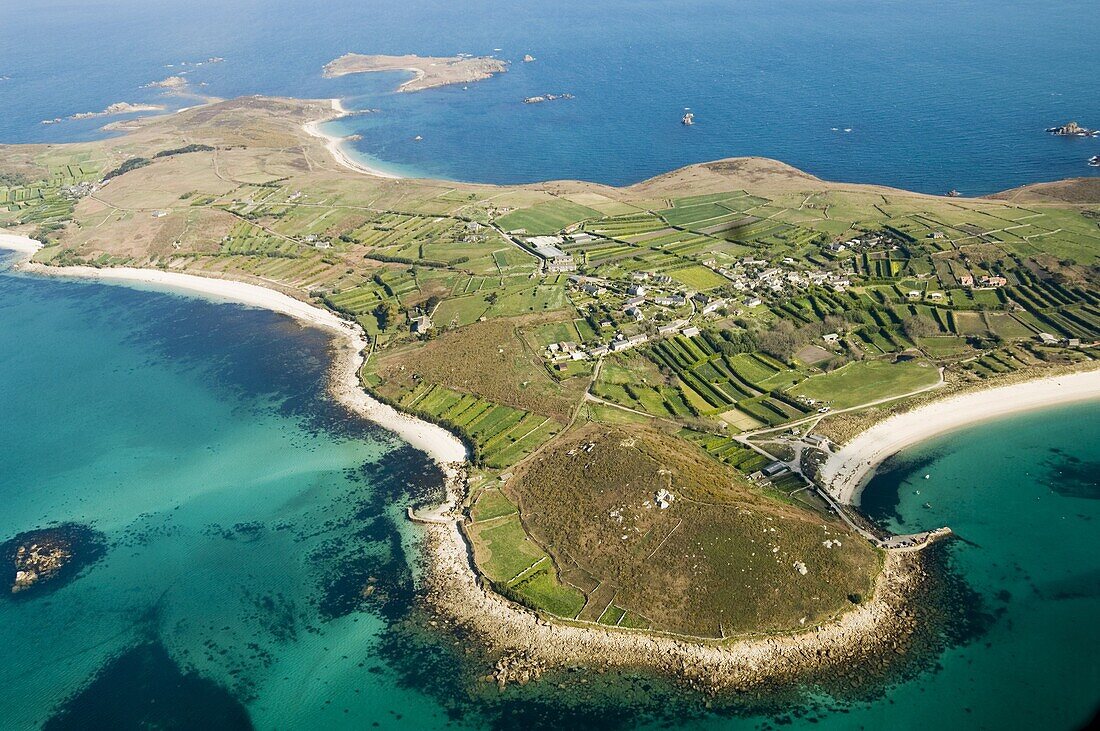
(1094, 161)
(688, 119)
(953, 193)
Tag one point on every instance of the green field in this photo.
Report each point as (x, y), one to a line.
(698, 277)
(861, 383)
(546, 218)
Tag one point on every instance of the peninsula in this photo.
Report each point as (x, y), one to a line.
(113, 110)
(635, 392)
(431, 71)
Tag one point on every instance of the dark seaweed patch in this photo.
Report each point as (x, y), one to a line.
(144, 688)
(1070, 476)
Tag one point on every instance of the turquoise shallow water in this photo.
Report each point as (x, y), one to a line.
(244, 513)
(1023, 495)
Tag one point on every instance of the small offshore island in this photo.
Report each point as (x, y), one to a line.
(39, 561)
(1072, 129)
(648, 400)
(431, 71)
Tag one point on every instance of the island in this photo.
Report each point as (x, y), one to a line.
(1072, 129)
(172, 83)
(42, 560)
(431, 71)
(111, 110)
(546, 98)
(654, 405)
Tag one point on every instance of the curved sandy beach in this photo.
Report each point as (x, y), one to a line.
(335, 144)
(847, 470)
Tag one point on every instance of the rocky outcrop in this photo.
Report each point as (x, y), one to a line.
(39, 561)
(1072, 129)
(546, 98)
(45, 559)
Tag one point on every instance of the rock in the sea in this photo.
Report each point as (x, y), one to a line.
(45, 559)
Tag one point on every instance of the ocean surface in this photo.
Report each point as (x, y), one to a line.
(243, 515)
(927, 96)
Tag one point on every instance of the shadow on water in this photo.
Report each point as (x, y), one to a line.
(145, 688)
(881, 500)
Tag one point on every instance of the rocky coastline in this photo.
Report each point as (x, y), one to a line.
(431, 71)
(519, 645)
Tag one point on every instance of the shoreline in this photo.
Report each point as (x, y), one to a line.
(529, 645)
(847, 471)
(527, 642)
(335, 144)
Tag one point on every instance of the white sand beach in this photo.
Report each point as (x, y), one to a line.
(15, 242)
(847, 470)
(335, 144)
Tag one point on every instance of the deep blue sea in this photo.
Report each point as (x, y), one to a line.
(937, 94)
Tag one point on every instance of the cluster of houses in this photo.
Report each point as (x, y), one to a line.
(988, 282)
(560, 354)
(317, 242)
(868, 242)
(862, 243)
(80, 190)
(1048, 339)
(758, 277)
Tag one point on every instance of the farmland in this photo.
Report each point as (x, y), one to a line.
(863, 383)
(688, 313)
